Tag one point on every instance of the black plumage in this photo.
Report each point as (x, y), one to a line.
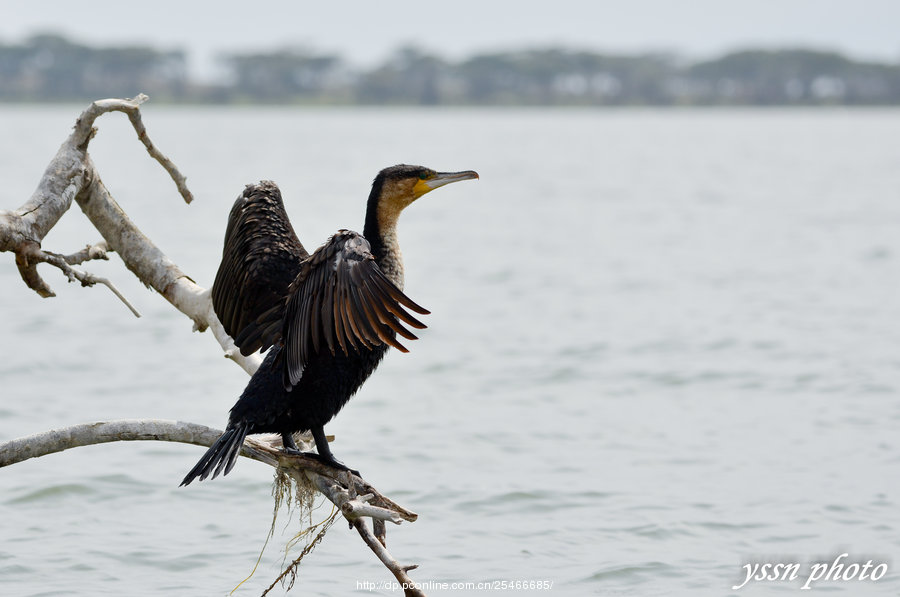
(328, 317)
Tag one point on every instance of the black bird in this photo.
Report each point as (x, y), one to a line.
(328, 317)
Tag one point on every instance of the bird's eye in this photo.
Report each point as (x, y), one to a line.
(423, 175)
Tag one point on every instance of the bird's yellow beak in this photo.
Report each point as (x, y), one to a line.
(440, 179)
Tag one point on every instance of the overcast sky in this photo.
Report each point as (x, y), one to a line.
(365, 31)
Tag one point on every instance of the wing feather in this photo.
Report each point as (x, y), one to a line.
(369, 305)
(369, 335)
(398, 295)
(326, 314)
(341, 301)
(390, 322)
(381, 286)
(260, 259)
(340, 326)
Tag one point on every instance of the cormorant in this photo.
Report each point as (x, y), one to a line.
(329, 317)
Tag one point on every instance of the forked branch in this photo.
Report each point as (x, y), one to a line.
(71, 175)
(67, 177)
(84, 131)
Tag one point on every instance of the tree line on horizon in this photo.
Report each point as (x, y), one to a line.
(52, 68)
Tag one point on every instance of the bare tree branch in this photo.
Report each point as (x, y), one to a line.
(341, 487)
(84, 131)
(72, 175)
(88, 253)
(70, 172)
(400, 572)
(57, 440)
(36, 256)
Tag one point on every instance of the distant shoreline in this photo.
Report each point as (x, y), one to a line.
(52, 69)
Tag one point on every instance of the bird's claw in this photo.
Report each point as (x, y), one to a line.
(332, 462)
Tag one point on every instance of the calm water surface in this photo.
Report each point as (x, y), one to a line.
(663, 345)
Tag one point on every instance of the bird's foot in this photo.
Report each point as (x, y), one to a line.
(290, 446)
(332, 462)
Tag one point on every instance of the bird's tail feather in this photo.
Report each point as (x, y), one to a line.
(221, 456)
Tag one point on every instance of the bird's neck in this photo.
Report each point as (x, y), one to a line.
(381, 232)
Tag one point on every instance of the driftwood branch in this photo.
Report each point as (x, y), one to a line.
(72, 175)
(399, 572)
(342, 487)
(65, 179)
(84, 131)
(97, 251)
(355, 498)
(35, 255)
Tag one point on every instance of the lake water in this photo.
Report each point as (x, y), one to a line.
(663, 345)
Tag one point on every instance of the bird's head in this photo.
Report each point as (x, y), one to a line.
(396, 187)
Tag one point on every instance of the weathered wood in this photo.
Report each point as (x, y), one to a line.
(337, 485)
(57, 440)
(340, 486)
(400, 572)
(72, 175)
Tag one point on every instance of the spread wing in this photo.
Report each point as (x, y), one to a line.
(261, 257)
(342, 301)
